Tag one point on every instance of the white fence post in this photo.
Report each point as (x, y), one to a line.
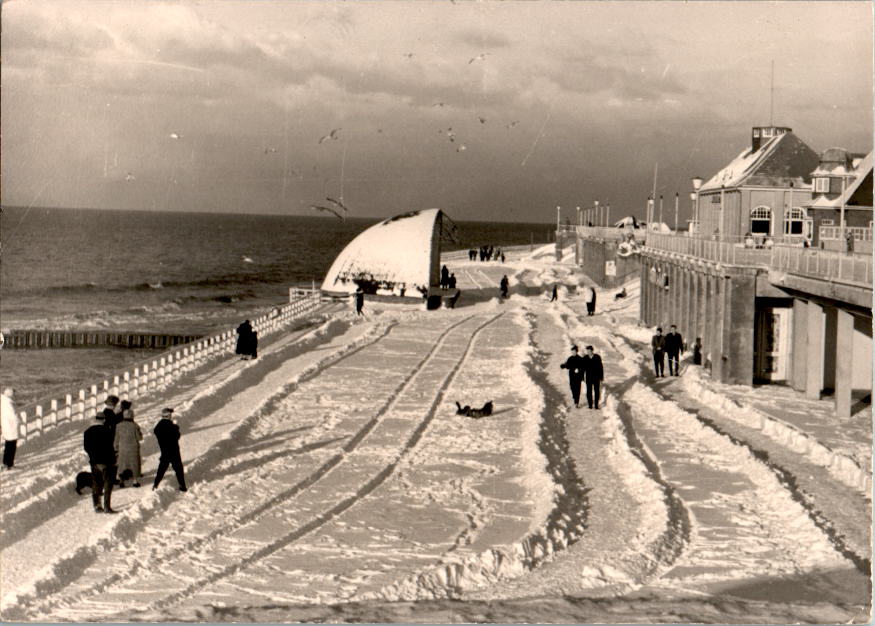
(53, 413)
(80, 405)
(22, 428)
(68, 407)
(38, 421)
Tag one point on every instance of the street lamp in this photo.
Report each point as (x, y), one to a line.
(579, 217)
(693, 197)
(596, 213)
(697, 184)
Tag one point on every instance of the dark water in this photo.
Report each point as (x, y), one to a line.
(64, 268)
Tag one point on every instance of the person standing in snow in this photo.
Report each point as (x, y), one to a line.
(445, 277)
(127, 445)
(555, 295)
(244, 340)
(10, 425)
(167, 433)
(697, 351)
(590, 301)
(575, 366)
(451, 281)
(594, 373)
(674, 345)
(111, 413)
(98, 443)
(504, 284)
(657, 344)
(359, 296)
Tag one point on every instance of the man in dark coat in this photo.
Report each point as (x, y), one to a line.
(167, 433)
(98, 441)
(359, 301)
(555, 295)
(244, 340)
(112, 415)
(590, 301)
(445, 277)
(594, 373)
(575, 366)
(657, 344)
(504, 284)
(674, 345)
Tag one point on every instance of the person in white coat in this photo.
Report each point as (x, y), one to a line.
(10, 424)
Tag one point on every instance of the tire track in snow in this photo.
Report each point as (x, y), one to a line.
(127, 528)
(362, 492)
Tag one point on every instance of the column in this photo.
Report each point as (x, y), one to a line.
(719, 322)
(642, 298)
(799, 357)
(710, 320)
(814, 350)
(686, 299)
(701, 307)
(844, 375)
(830, 345)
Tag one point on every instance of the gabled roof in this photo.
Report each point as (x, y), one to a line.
(854, 190)
(778, 162)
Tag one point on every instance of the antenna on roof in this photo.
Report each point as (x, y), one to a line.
(772, 97)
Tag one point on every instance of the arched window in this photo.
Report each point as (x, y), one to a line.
(794, 220)
(761, 221)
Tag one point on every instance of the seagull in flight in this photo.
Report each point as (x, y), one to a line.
(175, 135)
(482, 120)
(461, 148)
(269, 150)
(439, 104)
(479, 57)
(511, 125)
(326, 209)
(332, 135)
(409, 55)
(338, 203)
(130, 177)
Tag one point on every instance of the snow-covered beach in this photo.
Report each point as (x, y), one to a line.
(332, 480)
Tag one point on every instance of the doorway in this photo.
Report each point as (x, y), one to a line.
(772, 343)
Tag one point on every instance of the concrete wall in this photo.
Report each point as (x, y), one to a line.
(593, 254)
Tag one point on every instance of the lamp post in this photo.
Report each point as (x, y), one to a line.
(676, 201)
(608, 209)
(579, 217)
(596, 213)
(722, 212)
(660, 211)
(693, 197)
(697, 184)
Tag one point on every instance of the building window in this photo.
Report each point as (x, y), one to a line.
(794, 219)
(761, 221)
(826, 222)
(821, 185)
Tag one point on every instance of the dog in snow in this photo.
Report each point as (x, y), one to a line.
(467, 411)
(83, 481)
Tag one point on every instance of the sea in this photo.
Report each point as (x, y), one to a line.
(173, 272)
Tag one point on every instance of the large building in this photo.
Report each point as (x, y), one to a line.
(842, 190)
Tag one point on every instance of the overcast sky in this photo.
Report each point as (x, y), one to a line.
(220, 106)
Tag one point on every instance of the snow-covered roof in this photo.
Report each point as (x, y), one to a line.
(742, 165)
(863, 168)
(397, 256)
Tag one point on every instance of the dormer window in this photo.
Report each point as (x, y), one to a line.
(821, 184)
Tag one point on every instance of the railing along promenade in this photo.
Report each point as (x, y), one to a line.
(159, 372)
(608, 233)
(829, 265)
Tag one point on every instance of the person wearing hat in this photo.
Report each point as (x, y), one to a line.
(98, 444)
(594, 374)
(575, 366)
(657, 344)
(167, 433)
(111, 413)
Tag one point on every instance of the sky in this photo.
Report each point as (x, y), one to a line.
(490, 110)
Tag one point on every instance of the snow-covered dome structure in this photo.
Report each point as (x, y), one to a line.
(399, 256)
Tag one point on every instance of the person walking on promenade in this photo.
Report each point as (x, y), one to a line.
(657, 343)
(594, 374)
(359, 296)
(111, 412)
(504, 284)
(575, 366)
(590, 301)
(451, 281)
(98, 443)
(674, 346)
(127, 446)
(247, 341)
(697, 351)
(167, 433)
(445, 277)
(10, 424)
(555, 294)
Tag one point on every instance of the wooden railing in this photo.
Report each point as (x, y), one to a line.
(609, 233)
(157, 373)
(854, 269)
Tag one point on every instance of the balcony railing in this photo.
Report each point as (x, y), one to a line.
(855, 269)
(860, 233)
(729, 252)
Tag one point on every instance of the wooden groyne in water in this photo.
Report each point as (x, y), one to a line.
(29, 339)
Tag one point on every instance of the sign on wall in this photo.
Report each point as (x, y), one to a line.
(610, 268)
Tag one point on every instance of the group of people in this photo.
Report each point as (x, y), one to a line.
(112, 443)
(589, 369)
(486, 253)
(672, 345)
(247, 341)
(448, 279)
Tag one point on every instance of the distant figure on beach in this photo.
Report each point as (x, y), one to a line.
(697, 351)
(555, 295)
(594, 374)
(502, 257)
(451, 281)
(10, 424)
(127, 446)
(445, 277)
(504, 284)
(621, 294)
(359, 301)
(657, 344)
(575, 366)
(247, 341)
(590, 301)
(99, 445)
(167, 433)
(674, 345)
